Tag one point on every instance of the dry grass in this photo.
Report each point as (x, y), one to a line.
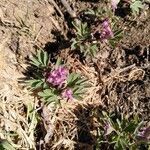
(14, 125)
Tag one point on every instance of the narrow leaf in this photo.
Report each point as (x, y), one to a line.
(6, 145)
(46, 59)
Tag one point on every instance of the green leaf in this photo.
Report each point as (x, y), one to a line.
(40, 56)
(5, 145)
(131, 127)
(78, 97)
(112, 43)
(41, 60)
(42, 94)
(83, 31)
(82, 48)
(52, 99)
(135, 6)
(118, 33)
(45, 85)
(75, 76)
(81, 81)
(39, 84)
(123, 143)
(35, 83)
(46, 59)
(72, 79)
(35, 61)
(58, 62)
(46, 93)
(118, 145)
(74, 44)
(119, 123)
(92, 49)
(78, 90)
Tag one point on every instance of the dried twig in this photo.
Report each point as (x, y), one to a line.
(68, 8)
(70, 11)
(56, 6)
(116, 72)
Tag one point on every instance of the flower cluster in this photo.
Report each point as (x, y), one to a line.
(67, 93)
(58, 78)
(106, 32)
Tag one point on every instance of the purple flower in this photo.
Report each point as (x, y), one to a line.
(144, 135)
(67, 93)
(114, 4)
(58, 76)
(105, 23)
(108, 129)
(106, 32)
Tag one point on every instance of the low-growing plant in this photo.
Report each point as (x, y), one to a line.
(89, 37)
(54, 83)
(83, 31)
(108, 32)
(121, 133)
(83, 41)
(135, 6)
(99, 13)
